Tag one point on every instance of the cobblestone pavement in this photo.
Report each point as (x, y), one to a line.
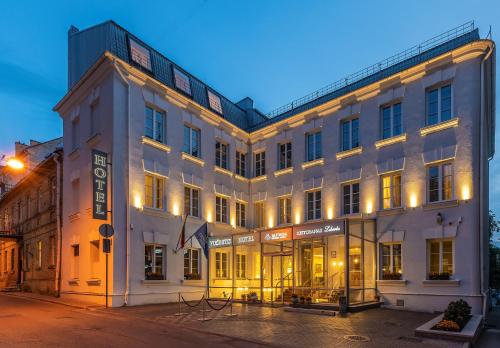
(275, 326)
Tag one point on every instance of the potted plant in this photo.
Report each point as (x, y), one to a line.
(252, 296)
(294, 299)
(308, 300)
(439, 276)
(302, 300)
(456, 316)
(243, 297)
(391, 276)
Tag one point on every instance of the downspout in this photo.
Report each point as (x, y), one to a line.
(59, 224)
(127, 219)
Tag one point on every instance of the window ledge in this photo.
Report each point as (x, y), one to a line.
(154, 212)
(391, 211)
(223, 170)
(348, 153)
(259, 178)
(454, 122)
(387, 282)
(156, 144)
(313, 163)
(155, 282)
(93, 282)
(73, 155)
(196, 160)
(440, 205)
(389, 141)
(283, 171)
(94, 139)
(451, 282)
(74, 282)
(241, 178)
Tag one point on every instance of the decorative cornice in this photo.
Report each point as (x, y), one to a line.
(348, 153)
(156, 144)
(454, 122)
(389, 141)
(316, 162)
(193, 159)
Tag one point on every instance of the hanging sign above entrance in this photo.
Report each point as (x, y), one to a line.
(276, 235)
(247, 238)
(319, 229)
(220, 242)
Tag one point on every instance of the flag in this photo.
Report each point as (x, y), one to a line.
(202, 236)
(182, 237)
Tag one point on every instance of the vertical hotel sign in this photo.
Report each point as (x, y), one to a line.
(100, 185)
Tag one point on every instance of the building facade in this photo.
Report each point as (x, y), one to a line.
(373, 188)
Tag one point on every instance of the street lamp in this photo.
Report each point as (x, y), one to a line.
(13, 162)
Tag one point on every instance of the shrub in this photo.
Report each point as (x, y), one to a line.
(391, 276)
(439, 276)
(459, 312)
(447, 325)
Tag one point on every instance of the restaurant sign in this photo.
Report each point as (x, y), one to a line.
(319, 229)
(220, 242)
(99, 185)
(276, 235)
(247, 238)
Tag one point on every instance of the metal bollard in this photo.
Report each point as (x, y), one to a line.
(203, 313)
(179, 313)
(231, 314)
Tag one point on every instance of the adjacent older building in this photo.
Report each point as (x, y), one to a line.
(374, 188)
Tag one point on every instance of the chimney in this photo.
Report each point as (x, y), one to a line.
(245, 103)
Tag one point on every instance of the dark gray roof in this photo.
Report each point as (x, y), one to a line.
(85, 47)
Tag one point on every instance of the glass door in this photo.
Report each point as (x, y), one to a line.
(277, 278)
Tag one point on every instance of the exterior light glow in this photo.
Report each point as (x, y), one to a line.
(297, 218)
(341, 263)
(466, 192)
(209, 217)
(137, 202)
(270, 222)
(369, 207)
(330, 213)
(175, 209)
(14, 163)
(233, 222)
(413, 200)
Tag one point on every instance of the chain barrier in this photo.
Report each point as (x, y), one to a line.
(192, 306)
(221, 308)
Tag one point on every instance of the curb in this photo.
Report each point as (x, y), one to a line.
(49, 300)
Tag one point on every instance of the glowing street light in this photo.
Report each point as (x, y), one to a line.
(13, 162)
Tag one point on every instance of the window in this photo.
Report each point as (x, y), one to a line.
(285, 155)
(154, 124)
(440, 182)
(154, 191)
(76, 261)
(313, 146)
(221, 209)
(285, 210)
(258, 208)
(191, 141)
(214, 102)
(221, 154)
(39, 246)
(94, 119)
(94, 259)
(192, 264)
(350, 134)
(241, 161)
(221, 264)
(438, 105)
(313, 205)
(182, 81)
(241, 219)
(241, 266)
(441, 256)
(191, 201)
(140, 54)
(260, 163)
(75, 132)
(350, 194)
(391, 261)
(391, 191)
(154, 262)
(391, 120)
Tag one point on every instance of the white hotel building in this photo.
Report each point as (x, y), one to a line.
(375, 187)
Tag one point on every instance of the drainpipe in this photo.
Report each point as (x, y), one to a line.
(127, 219)
(59, 223)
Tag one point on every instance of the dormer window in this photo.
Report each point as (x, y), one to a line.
(182, 81)
(140, 54)
(214, 102)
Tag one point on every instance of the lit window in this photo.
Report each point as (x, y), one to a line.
(182, 81)
(154, 262)
(221, 264)
(313, 204)
(391, 120)
(350, 134)
(391, 261)
(440, 257)
(241, 266)
(221, 155)
(221, 209)
(154, 186)
(191, 201)
(440, 182)
(241, 159)
(260, 163)
(313, 146)
(191, 141)
(241, 219)
(438, 105)
(214, 102)
(391, 191)
(192, 264)
(140, 54)
(350, 193)
(154, 125)
(258, 214)
(285, 210)
(285, 155)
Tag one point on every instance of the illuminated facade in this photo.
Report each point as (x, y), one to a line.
(374, 188)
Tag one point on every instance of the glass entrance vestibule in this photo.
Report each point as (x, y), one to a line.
(319, 261)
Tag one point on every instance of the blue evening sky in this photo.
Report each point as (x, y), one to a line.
(272, 51)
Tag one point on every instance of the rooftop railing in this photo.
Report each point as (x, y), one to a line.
(384, 64)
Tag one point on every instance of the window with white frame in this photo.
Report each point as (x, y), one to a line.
(221, 209)
(260, 163)
(154, 262)
(182, 81)
(313, 146)
(241, 216)
(391, 261)
(441, 254)
(350, 134)
(214, 102)
(154, 188)
(439, 107)
(350, 195)
(391, 120)
(313, 204)
(221, 264)
(440, 182)
(191, 201)
(241, 161)
(284, 155)
(221, 155)
(192, 264)
(140, 54)
(391, 190)
(39, 249)
(154, 124)
(285, 210)
(258, 211)
(191, 141)
(241, 266)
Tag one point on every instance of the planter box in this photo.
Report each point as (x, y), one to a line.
(469, 333)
